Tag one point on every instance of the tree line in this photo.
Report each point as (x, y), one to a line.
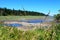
(7, 12)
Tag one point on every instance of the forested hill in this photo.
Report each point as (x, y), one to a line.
(7, 12)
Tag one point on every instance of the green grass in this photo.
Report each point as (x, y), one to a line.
(21, 17)
(12, 33)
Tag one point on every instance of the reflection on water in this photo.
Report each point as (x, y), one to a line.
(35, 21)
(28, 21)
(13, 25)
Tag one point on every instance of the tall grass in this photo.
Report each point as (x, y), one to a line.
(12, 33)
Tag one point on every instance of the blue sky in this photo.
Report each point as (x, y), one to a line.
(33, 5)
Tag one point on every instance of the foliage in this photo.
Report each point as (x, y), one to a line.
(12, 33)
(7, 12)
(57, 16)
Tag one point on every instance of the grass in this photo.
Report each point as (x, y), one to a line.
(12, 33)
(21, 17)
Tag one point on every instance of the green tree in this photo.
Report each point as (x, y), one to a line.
(57, 17)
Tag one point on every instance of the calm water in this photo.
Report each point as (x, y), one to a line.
(28, 21)
(35, 21)
(14, 25)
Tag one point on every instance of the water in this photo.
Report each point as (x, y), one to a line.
(14, 25)
(36, 21)
(28, 21)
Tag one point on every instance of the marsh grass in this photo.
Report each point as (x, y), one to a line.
(12, 33)
(22, 17)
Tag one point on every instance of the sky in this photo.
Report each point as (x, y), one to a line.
(33, 5)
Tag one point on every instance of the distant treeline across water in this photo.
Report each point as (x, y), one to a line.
(13, 12)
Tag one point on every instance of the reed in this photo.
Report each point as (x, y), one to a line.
(12, 33)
